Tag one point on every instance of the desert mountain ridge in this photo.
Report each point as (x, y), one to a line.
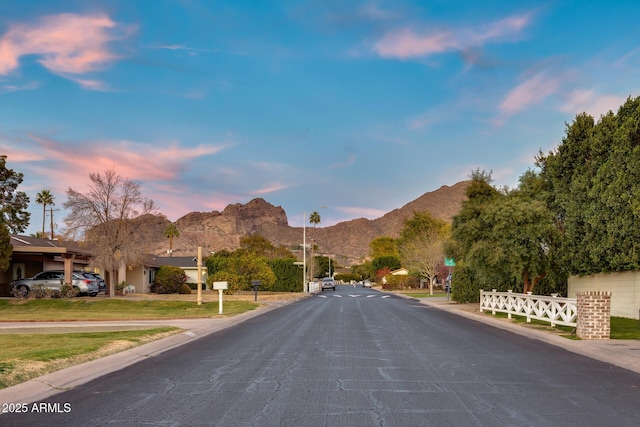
(347, 241)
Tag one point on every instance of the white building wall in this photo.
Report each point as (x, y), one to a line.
(624, 288)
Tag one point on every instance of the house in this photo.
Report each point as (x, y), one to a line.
(399, 272)
(31, 255)
(142, 276)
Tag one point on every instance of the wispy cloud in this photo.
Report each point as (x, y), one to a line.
(350, 160)
(67, 44)
(532, 91)
(409, 42)
(17, 88)
(182, 47)
(269, 188)
(583, 100)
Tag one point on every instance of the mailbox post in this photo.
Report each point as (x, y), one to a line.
(220, 286)
(255, 284)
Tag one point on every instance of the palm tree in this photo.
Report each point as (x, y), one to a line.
(314, 219)
(170, 232)
(45, 198)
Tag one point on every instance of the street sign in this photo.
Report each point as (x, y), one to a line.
(449, 262)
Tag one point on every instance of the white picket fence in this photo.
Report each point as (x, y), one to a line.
(555, 310)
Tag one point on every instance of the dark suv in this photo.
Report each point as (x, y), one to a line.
(53, 279)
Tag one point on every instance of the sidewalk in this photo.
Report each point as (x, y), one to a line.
(622, 353)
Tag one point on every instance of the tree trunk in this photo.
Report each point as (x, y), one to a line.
(529, 286)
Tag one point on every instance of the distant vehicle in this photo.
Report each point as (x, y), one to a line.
(102, 285)
(328, 283)
(53, 279)
(367, 284)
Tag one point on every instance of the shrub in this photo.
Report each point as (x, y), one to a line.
(168, 280)
(184, 289)
(194, 286)
(234, 282)
(400, 281)
(66, 291)
(40, 292)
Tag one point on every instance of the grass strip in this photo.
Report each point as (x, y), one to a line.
(27, 356)
(621, 327)
(424, 294)
(114, 309)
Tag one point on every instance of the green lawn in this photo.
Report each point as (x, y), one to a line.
(422, 294)
(26, 356)
(624, 329)
(114, 309)
(621, 328)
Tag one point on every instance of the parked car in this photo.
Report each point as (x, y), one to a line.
(367, 284)
(102, 285)
(53, 279)
(328, 283)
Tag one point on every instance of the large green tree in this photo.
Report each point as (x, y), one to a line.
(595, 191)
(6, 248)
(13, 203)
(506, 239)
(260, 246)
(383, 246)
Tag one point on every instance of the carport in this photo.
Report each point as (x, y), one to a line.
(31, 255)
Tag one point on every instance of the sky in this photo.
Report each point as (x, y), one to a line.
(348, 108)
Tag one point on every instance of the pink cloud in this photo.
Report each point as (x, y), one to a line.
(405, 43)
(129, 159)
(408, 43)
(66, 43)
(588, 101)
(270, 188)
(530, 92)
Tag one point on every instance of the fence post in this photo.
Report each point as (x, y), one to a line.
(594, 315)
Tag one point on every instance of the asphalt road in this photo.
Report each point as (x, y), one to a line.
(353, 357)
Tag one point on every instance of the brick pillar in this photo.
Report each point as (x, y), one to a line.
(594, 315)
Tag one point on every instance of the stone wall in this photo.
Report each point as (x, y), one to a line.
(594, 313)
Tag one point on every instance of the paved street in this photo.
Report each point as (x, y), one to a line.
(354, 357)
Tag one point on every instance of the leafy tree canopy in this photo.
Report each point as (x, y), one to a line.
(13, 203)
(594, 191)
(383, 246)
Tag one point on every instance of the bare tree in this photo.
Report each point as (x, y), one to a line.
(103, 215)
(424, 254)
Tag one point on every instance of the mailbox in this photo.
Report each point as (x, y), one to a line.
(255, 284)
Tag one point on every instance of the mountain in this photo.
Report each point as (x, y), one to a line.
(347, 242)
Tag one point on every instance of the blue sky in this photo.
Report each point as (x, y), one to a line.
(359, 107)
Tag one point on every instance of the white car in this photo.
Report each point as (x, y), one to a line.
(328, 283)
(367, 284)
